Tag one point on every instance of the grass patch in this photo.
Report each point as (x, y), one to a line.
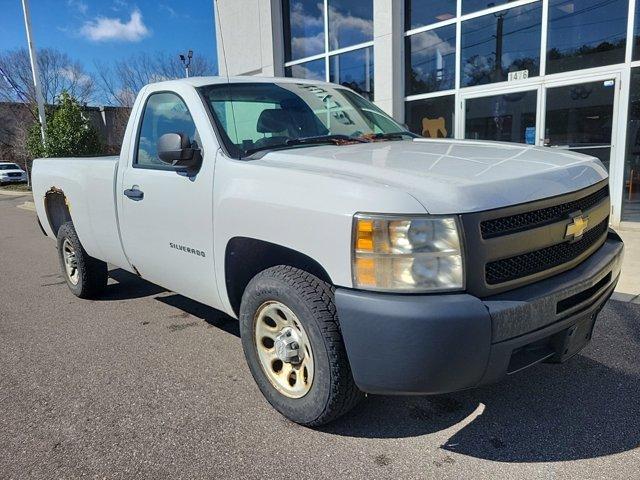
(16, 187)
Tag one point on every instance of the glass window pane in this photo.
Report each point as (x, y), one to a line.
(631, 191)
(314, 70)
(494, 45)
(506, 118)
(580, 117)
(586, 33)
(431, 117)
(163, 113)
(431, 60)
(418, 13)
(303, 28)
(636, 46)
(470, 6)
(354, 70)
(350, 22)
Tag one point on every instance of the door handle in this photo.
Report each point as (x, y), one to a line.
(134, 194)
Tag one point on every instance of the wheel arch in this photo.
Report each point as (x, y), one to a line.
(57, 209)
(245, 257)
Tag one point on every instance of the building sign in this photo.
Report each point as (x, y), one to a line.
(519, 75)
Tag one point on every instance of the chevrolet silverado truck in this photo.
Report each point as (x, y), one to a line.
(357, 257)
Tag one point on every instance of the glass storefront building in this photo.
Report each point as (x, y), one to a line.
(563, 74)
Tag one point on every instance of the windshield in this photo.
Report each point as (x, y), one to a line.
(262, 116)
(9, 166)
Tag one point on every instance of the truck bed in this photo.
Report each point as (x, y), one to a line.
(89, 184)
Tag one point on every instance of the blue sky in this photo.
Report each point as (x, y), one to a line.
(108, 30)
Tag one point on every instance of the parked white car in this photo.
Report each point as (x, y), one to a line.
(357, 257)
(11, 173)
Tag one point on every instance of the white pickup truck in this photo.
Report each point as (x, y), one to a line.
(356, 256)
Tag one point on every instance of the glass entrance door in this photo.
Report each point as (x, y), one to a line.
(506, 117)
(581, 117)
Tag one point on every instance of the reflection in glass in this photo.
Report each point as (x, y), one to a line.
(431, 117)
(585, 34)
(470, 6)
(431, 60)
(303, 28)
(494, 45)
(163, 113)
(350, 22)
(354, 70)
(418, 13)
(505, 118)
(631, 190)
(636, 33)
(580, 117)
(313, 70)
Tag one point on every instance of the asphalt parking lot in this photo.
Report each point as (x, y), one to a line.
(144, 383)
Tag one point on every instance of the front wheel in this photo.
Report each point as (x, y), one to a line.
(293, 346)
(86, 276)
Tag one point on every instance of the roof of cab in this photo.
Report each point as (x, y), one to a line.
(203, 81)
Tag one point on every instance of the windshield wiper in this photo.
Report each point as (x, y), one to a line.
(390, 136)
(336, 139)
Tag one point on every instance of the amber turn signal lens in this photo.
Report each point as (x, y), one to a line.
(364, 236)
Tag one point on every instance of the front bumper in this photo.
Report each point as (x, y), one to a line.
(21, 179)
(430, 344)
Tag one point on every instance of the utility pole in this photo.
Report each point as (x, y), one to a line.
(499, 39)
(186, 62)
(34, 67)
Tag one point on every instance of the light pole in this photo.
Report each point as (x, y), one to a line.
(34, 66)
(186, 62)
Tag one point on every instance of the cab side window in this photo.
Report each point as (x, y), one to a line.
(163, 113)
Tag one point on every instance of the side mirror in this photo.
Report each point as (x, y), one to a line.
(177, 150)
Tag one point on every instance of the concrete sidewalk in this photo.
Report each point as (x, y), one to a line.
(628, 289)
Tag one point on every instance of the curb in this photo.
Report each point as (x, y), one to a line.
(625, 297)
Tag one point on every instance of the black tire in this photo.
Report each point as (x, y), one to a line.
(92, 273)
(333, 391)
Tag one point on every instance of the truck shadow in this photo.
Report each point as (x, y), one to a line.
(128, 286)
(215, 318)
(588, 407)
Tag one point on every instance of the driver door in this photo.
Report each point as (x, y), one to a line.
(166, 218)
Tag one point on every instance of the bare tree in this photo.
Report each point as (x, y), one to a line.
(58, 73)
(121, 82)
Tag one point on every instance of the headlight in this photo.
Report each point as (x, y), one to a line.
(419, 254)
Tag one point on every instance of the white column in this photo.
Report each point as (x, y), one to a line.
(388, 51)
(271, 29)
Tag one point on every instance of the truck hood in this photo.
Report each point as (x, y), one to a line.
(451, 176)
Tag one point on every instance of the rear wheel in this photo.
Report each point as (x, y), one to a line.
(293, 345)
(86, 276)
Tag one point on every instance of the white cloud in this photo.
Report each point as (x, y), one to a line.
(78, 5)
(105, 29)
(74, 76)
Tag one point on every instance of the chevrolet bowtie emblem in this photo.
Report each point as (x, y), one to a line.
(577, 227)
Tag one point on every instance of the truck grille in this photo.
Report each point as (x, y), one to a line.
(510, 247)
(536, 218)
(14, 174)
(537, 261)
